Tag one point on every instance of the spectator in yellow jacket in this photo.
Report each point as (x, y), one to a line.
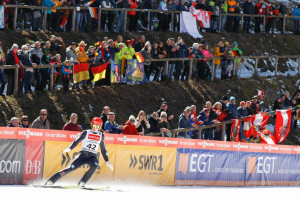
(82, 56)
(217, 53)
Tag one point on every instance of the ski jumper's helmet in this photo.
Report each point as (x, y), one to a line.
(96, 123)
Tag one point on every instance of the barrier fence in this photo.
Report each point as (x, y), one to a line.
(148, 11)
(32, 156)
(167, 60)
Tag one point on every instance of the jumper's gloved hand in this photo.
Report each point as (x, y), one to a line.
(66, 150)
(110, 166)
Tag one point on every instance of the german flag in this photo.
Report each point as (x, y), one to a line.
(93, 12)
(139, 57)
(81, 72)
(99, 72)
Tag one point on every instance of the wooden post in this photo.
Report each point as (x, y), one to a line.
(191, 69)
(45, 20)
(283, 24)
(125, 21)
(15, 19)
(264, 24)
(276, 65)
(213, 70)
(200, 133)
(51, 79)
(167, 69)
(223, 132)
(73, 19)
(242, 23)
(149, 25)
(172, 22)
(99, 21)
(233, 70)
(16, 80)
(298, 65)
(220, 22)
(256, 63)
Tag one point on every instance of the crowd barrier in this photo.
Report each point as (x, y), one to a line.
(31, 156)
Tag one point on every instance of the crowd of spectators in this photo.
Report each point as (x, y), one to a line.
(162, 121)
(40, 53)
(61, 20)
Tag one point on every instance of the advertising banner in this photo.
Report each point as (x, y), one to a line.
(152, 165)
(135, 72)
(2, 23)
(233, 168)
(12, 159)
(33, 166)
(55, 161)
(115, 73)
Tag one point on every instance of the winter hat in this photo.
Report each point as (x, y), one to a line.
(242, 103)
(232, 98)
(254, 97)
(235, 44)
(225, 98)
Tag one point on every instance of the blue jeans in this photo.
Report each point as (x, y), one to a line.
(207, 134)
(26, 82)
(223, 20)
(81, 21)
(36, 23)
(2, 81)
(171, 68)
(119, 27)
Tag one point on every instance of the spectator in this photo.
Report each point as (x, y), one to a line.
(164, 125)
(212, 114)
(2, 77)
(277, 104)
(154, 123)
(223, 10)
(217, 108)
(207, 134)
(171, 53)
(163, 17)
(297, 20)
(287, 102)
(164, 107)
(111, 125)
(27, 15)
(56, 48)
(194, 120)
(231, 10)
(72, 124)
(25, 122)
(129, 128)
(184, 119)
(82, 56)
(284, 106)
(182, 51)
(283, 10)
(248, 105)
(146, 53)
(121, 4)
(48, 3)
(258, 9)
(132, 15)
(13, 58)
(142, 125)
(14, 122)
(67, 72)
(232, 108)
(26, 81)
(36, 16)
(41, 122)
(254, 106)
(224, 102)
(260, 101)
(242, 110)
(140, 44)
(238, 52)
(248, 8)
(104, 115)
(70, 52)
(218, 53)
(237, 19)
(206, 70)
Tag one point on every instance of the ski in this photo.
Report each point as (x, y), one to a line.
(71, 187)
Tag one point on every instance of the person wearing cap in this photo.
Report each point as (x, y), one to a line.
(72, 124)
(24, 123)
(128, 50)
(82, 56)
(111, 125)
(70, 52)
(164, 107)
(129, 128)
(224, 102)
(232, 108)
(254, 105)
(183, 122)
(242, 110)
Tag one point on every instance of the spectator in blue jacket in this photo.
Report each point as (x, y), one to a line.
(26, 81)
(242, 109)
(207, 134)
(182, 52)
(297, 20)
(66, 71)
(232, 108)
(111, 125)
(184, 123)
(248, 8)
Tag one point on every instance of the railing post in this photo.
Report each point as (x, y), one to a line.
(45, 20)
(51, 78)
(242, 23)
(220, 22)
(167, 69)
(298, 65)
(223, 132)
(264, 24)
(125, 21)
(200, 133)
(234, 66)
(73, 19)
(283, 24)
(16, 80)
(172, 22)
(256, 63)
(15, 18)
(276, 65)
(148, 18)
(99, 21)
(213, 70)
(191, 69)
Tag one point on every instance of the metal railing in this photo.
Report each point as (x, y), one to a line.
(167, 60)
(148, 11)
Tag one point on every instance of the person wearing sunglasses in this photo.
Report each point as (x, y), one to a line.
(25, 122)
(91, 140)
(41, 122)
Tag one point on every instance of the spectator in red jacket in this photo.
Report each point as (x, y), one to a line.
(129, 128)
(72, 124)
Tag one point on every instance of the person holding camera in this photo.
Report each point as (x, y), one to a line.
(55, 48)
(141, 123)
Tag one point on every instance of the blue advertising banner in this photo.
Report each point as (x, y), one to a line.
(235, 168)
(2, 24)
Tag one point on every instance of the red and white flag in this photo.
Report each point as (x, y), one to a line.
(202, 16)
(282, 125)
(260, 119)
(266, 137)
(235, 130)
(247, 127)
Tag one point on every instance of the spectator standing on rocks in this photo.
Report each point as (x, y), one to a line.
(41, 122)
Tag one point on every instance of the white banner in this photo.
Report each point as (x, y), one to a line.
(202, 16)
(2, 23)
(188, 24)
